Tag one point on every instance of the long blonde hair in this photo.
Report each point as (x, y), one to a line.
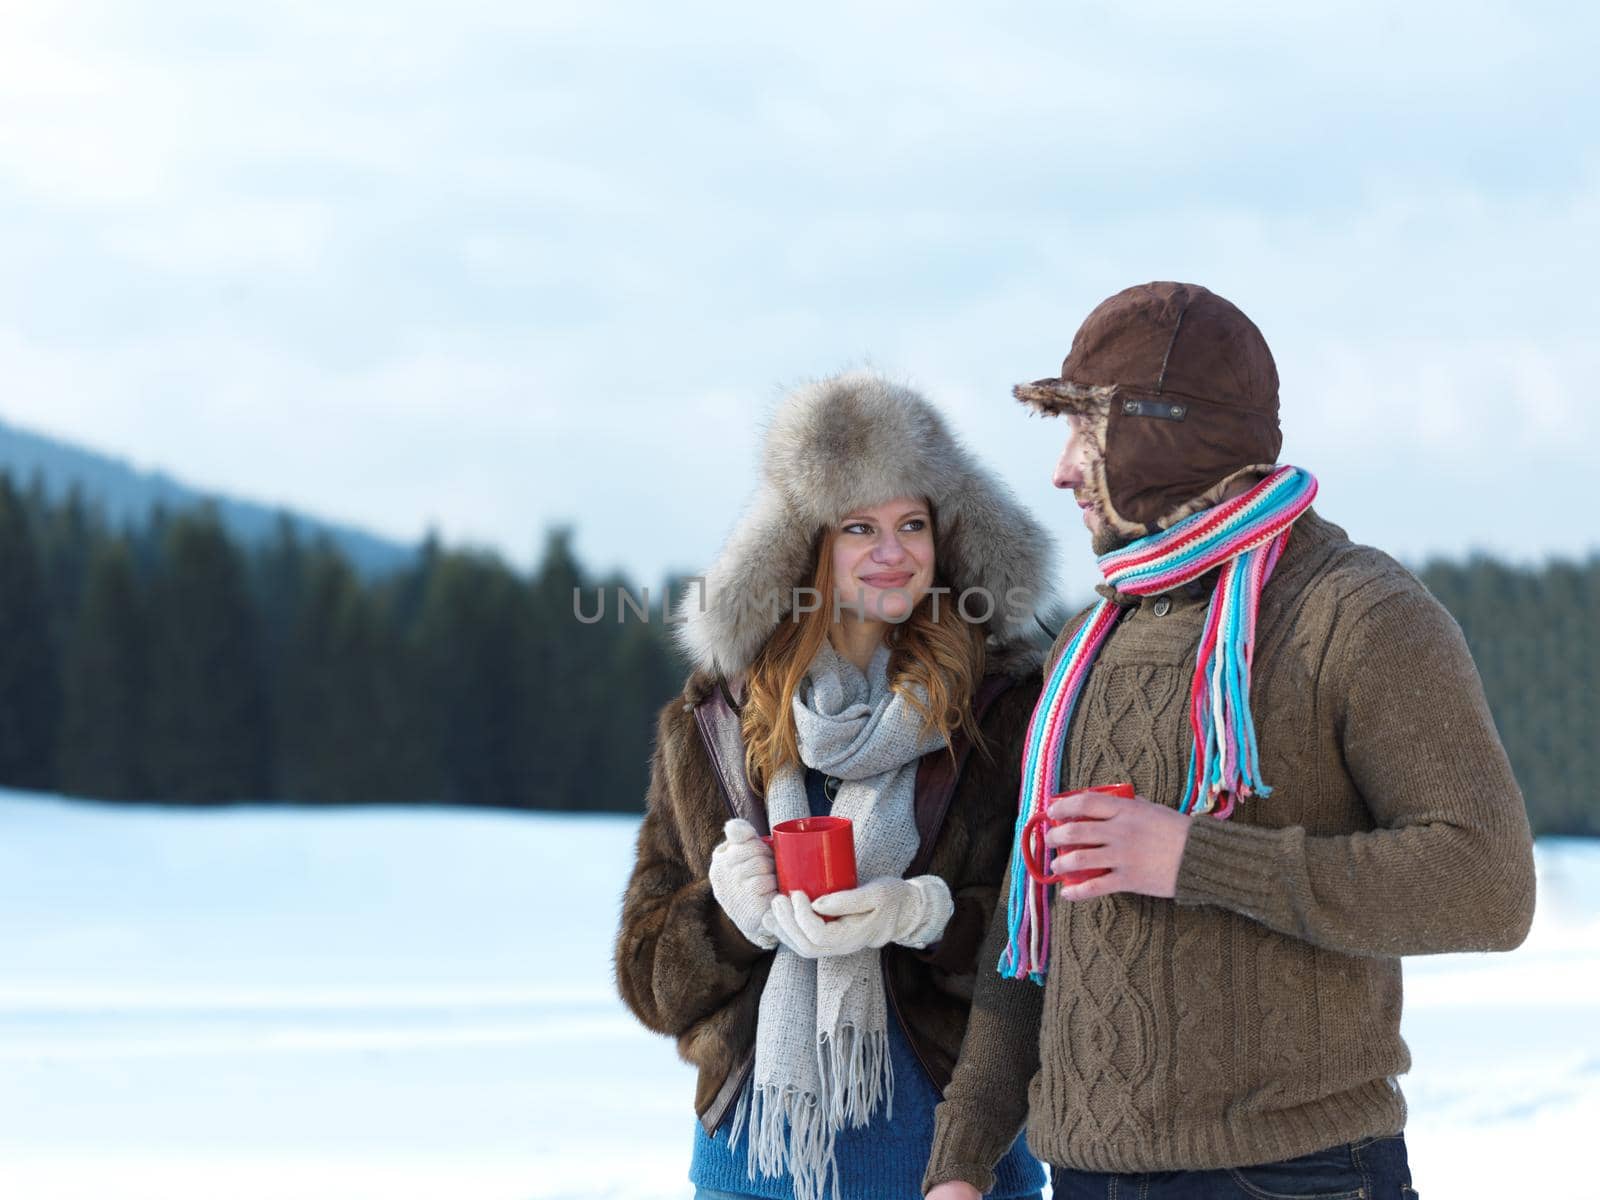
(945, 656)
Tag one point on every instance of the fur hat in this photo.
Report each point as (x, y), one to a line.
(847, 442)
(1179, 396)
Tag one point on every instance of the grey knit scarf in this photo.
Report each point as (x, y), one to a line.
(822, 1052)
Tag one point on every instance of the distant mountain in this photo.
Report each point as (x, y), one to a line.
(125, 494)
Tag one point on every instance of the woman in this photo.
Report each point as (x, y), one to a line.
(861, 632)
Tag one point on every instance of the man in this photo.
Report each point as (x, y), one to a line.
(1320, 790)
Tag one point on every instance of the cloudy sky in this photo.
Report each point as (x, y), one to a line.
(492, 266)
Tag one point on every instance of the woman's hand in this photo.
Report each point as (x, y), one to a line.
(912, 912)
(795, 923)
(744, 881)
(955, 1189)
(1138, 841)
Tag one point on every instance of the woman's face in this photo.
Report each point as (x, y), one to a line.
(883, 559)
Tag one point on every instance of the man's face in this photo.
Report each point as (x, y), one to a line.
(1072, 471)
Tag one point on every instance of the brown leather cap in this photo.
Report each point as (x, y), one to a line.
(1186, 387)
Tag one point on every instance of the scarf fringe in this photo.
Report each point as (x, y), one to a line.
(794, 1131)
(857, 1075)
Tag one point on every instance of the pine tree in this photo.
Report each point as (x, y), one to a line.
(406, 591)
(277, 570)
(392, 754)
(472, 642)
(643, 677)
(102, 732)
(1540, 666)
(67, 537)
(28, 682)
(573, 685)
(207, 713)
(348, 734)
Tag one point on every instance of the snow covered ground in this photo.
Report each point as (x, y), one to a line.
(402, 1004)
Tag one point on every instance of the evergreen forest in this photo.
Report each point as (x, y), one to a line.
(167, 662)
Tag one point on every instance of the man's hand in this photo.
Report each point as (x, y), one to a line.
(1138, 841)
(955, 1190)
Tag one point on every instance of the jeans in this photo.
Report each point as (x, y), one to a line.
(1371, 1169)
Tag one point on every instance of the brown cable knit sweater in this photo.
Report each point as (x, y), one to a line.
(1257, 1017)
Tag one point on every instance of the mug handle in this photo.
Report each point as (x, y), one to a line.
(1033, 848)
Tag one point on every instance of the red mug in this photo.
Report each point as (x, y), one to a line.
(1034, 850)
(814, 855)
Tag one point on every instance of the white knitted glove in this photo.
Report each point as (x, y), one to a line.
(744, 880)
(794, 923)
(911, 912)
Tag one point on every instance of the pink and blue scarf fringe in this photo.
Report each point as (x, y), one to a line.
(1244, 537)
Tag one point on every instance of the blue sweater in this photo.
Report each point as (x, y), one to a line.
(883, 1160)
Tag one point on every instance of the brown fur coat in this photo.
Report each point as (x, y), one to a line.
(686, 971)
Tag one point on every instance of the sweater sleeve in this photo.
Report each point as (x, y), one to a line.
(1449, 864)
(678, 956)
(986, 1104)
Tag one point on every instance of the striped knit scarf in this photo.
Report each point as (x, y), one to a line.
(1244, 537)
